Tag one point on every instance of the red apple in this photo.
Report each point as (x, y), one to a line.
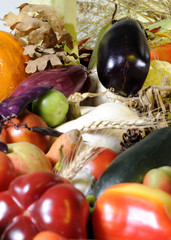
(7, 171)
(159, 178)
(27, 157)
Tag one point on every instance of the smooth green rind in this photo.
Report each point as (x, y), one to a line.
(131, 166)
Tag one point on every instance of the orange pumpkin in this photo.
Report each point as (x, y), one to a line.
(12, 64)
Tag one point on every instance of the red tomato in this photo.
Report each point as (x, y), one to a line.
(101, 161)
(162, 53)
(11, 134)
(48, 235)
(7, 172)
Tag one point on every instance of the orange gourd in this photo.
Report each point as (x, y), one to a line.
(12, 64)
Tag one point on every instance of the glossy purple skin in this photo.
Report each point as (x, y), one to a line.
(4, 107)
(68, 79)
(123, 57)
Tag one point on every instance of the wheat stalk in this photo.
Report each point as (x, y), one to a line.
(134, 123)
(83, 154)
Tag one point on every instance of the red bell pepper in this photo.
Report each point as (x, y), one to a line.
(130, 211)
(42, 201)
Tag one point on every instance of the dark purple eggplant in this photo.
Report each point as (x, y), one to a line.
(68, 79)
(18, 103)
(123, 58)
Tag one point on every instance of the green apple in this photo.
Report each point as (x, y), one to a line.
(52, 107)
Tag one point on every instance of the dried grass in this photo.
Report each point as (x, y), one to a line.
(93, 14)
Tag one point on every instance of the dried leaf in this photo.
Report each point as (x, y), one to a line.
(12, 20)
(41, 24)
(42, 63)
(65, 37)
(30, 50)
(46, 51)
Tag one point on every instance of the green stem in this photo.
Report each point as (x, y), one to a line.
(58, 165)
(91, 200)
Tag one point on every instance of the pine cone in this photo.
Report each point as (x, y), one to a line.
(131, 137)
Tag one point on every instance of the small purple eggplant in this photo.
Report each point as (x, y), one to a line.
(68, 80)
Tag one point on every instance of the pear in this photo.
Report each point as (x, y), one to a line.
(27, 157)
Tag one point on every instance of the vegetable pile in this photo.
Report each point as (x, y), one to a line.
(85, 132)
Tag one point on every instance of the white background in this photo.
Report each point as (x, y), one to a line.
(9, 6)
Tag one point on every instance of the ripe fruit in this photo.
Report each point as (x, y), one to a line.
(12, 67)
(12, 134)
(52, 107)
(159, 178)
(101, 161)
(27, 158)
(7, 172)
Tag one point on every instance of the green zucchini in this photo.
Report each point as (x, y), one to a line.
(131, 165)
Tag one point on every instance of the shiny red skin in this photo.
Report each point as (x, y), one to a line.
(132, 211)
(42, 201)
(101, 161)
(7, 171)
